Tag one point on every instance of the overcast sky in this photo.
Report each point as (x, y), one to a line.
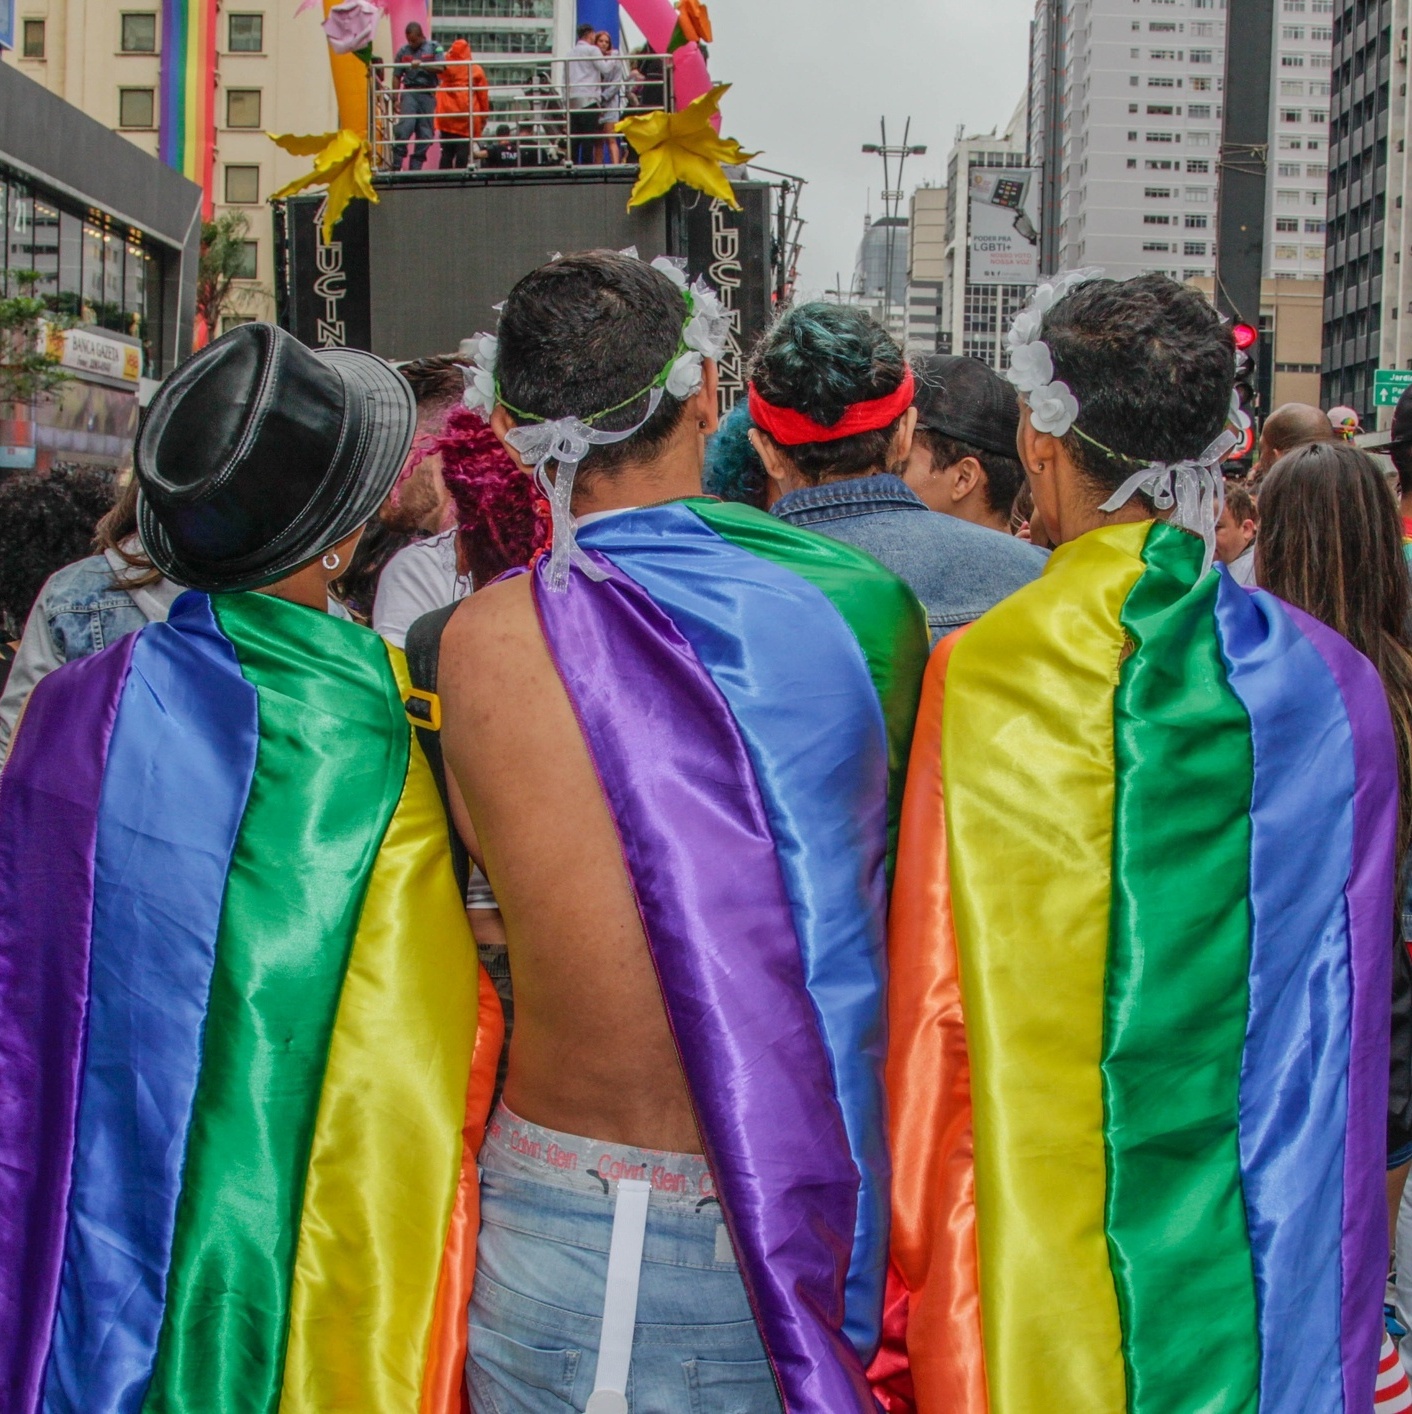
(812, 77)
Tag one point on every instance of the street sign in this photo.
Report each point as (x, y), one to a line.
(1389, 384)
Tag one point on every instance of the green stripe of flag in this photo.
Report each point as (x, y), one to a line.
(1177, 993)
(331, 763)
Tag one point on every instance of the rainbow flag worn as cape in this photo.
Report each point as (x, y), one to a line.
(746, 690)
(239, 1009)
(1140, 1001)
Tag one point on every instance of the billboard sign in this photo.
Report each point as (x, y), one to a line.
(96, 355)
(1004, 216)
(7, 24)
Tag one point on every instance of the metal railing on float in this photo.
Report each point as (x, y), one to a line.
(527, 114)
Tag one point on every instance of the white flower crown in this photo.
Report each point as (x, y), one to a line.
(1053, 406)
(1193, 490)
(567, 440)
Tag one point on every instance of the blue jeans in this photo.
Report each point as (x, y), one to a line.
(417, 108)
(541, 1267)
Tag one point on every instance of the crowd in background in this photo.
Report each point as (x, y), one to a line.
(939, 497)
(443, 96)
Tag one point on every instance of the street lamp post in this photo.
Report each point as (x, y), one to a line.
(892, 199)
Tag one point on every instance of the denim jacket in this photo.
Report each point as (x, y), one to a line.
(958, 570)
(80, 610)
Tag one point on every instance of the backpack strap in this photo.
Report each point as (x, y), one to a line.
(424, 709)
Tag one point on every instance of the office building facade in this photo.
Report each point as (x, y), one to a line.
(107, 238)
(976, 313)
(1368, 296)
(926, 268)
(1124, 125)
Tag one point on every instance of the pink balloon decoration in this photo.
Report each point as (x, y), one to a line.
(692, 80)
(656, 19)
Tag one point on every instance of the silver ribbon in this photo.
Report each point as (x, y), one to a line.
(1195, 488)
(567, 441)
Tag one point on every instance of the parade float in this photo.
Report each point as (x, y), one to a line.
(404, 262)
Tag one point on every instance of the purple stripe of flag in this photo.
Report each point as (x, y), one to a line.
(701, 856)
(1370, 922)
(49, 796)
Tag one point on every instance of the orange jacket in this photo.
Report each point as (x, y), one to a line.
(463, 88)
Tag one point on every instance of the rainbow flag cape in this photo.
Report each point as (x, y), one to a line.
(746, 690)
(186, 138)
(1141, 950)
(239, 1009)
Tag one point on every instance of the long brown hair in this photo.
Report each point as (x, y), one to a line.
(118, 526)
(1330, 543)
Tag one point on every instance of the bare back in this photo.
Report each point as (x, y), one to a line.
(592, 1053)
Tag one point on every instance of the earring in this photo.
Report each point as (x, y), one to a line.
(331, 556)
(701, 424)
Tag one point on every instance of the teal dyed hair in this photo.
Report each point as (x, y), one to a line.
(733, 469)
(819, 359)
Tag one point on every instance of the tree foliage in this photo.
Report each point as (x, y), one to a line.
(223, 262)
(28, 369)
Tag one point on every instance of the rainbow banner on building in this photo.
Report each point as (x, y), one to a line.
(1141, 950)
(746, 690)
(238, 1105)
(187, 133)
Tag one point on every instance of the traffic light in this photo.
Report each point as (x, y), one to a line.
(1249, 345)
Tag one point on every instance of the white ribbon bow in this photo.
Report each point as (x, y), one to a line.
(567, 441)
(1196, 488)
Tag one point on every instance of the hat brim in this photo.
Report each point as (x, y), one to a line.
(389, 424)
(985, 441)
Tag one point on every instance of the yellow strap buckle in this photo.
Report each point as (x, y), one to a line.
(423, 709)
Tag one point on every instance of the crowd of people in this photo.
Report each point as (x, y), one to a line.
(444, 97)
(516, 884)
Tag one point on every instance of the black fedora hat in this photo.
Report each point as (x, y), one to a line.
(258, 454)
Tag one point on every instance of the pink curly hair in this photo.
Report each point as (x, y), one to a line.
(501, 517)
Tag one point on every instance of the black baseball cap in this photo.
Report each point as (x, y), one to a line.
(968, 401)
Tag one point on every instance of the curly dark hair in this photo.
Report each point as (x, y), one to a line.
(586, 333)
(819, 359)
(1152, 365)
(47, 521)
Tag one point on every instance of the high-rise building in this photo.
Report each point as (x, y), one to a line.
(1367, 290)
(880, 273)
(990, 218)
(1125, 127)
(926, 268)
(520, 30)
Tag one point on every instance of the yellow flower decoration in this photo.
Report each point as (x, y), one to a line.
(343, 163)
(683, 147)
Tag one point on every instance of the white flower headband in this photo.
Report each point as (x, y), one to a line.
(567, 440)
(1194, 488)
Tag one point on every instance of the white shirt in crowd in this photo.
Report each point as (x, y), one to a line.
(417, 581)
(1242, 568)
(589, 72)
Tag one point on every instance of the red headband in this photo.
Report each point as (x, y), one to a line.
(794, 429)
